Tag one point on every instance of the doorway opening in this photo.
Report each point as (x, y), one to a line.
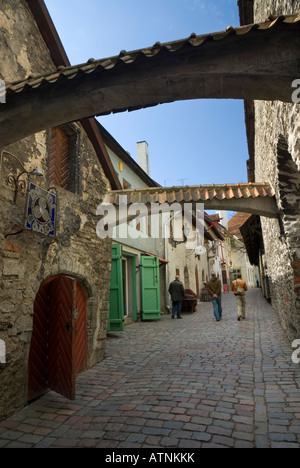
(58, 349)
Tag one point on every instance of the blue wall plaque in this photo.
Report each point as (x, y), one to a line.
(41, 211)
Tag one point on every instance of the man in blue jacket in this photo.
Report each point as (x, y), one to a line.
(215, 290)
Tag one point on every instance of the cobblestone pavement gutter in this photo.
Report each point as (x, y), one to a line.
(190, 383)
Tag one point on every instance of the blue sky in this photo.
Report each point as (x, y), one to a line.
(201, 141)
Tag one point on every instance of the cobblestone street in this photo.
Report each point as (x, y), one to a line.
(190, 383)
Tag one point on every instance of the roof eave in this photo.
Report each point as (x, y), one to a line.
(60, 58)
(125, 157)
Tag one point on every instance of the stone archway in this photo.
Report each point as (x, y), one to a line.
(238, 63)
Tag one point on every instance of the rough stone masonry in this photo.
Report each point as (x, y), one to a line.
(26, 260)
(277, 160)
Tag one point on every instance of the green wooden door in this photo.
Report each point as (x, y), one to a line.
(116, 310)
(150, 288)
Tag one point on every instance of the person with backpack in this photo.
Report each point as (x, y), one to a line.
(239, 287)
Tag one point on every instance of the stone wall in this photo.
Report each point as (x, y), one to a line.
(277, 142)
(264, 8)
(27, 259)
(22, 50)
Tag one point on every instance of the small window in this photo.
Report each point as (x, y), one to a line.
(63, 159)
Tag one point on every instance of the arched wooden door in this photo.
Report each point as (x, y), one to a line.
(58, 348)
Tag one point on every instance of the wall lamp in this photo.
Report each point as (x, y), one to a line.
(15, 180)
(213, 249)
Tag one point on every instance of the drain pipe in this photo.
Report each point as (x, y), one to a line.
(167, 258)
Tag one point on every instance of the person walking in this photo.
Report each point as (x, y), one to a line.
(176, 290)
(239, 287)
(215, 291)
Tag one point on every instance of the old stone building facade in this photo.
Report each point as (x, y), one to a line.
(274, 142)
(74, 265)
(32, 264)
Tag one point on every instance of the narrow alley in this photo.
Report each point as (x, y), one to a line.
(190, 383)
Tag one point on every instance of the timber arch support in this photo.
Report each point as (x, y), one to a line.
(258, 199)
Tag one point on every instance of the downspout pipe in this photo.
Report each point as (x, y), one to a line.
(167, 258)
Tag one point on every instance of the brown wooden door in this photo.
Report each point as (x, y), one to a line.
(59, 345)
(80, 331)
(38, 355)
(224, 277)
(62, 300)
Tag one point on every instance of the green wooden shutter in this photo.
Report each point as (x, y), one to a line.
(150, 288)
(116, 311)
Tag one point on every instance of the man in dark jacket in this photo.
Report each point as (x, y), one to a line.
(176, 290)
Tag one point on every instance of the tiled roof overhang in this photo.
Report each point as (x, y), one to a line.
(135, 57)
(258, 61)
(252, 234)
(235, 223)
(257, 199)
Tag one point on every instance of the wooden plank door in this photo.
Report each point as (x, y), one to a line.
(38, 354)
(62, 302)
(150, 288)
(80, 331)
(58, 349)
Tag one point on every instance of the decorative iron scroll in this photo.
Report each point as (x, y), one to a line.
(41, 211)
